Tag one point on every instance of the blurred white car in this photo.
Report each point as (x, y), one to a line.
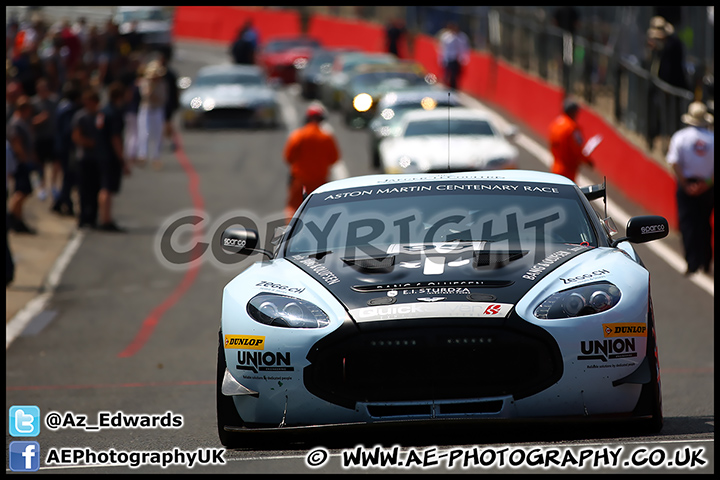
(447, 140)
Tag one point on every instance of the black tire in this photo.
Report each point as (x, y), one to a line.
(650, 402)
(226, 411)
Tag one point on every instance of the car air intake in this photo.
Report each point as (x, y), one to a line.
(432, 363)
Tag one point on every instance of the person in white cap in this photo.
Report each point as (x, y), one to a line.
(691, 155)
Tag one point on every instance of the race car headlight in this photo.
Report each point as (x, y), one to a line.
(282, 311)
(579, 301)
(362, 102)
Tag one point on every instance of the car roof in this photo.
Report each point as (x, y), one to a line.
(416, 95)
(229, 68)
(527, 176)
(400, 67)
(143, 7)
(457, 113)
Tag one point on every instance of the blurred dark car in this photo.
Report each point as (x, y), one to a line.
(370, 82)
(332, 90)
(393, 105)
(318, 70)
(283, 57)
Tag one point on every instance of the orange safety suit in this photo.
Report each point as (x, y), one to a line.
(566, 144)
(310, 152)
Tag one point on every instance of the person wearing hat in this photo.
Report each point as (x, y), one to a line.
(310, 151)
(566, 142)
(151, 113)
(667, 54)
(691, 155)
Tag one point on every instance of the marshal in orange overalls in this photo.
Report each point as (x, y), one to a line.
(566, 144)
(310, 152)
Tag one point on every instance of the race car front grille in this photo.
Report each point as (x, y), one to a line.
(432, 363)
(229, 115)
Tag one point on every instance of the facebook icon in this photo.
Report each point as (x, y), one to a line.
(24, 456)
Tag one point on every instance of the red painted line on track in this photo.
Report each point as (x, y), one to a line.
(152, 320)
(109, 385)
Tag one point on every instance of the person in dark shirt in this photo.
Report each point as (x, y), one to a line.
(173, 99)
(87, 139)
(244, 46)
(69, 105)
(20, 135)
(112, 164)
(667, 53)
(393, 33)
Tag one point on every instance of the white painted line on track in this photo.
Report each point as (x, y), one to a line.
(17, 324)
(672, 258)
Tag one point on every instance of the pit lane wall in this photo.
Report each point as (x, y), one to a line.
(527, 99)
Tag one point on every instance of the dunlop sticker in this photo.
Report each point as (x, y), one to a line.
(624, 330)
(245, 342)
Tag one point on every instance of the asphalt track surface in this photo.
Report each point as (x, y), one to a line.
(128, 334)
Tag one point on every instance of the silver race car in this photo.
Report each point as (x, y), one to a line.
(229, 95)
(467, 296)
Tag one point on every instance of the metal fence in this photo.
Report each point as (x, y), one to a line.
(602, 63)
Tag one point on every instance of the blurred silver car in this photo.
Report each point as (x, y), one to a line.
(229, 95)
(456, 140)
(152, 24)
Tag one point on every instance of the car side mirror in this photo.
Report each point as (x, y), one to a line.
(511, 133)
(644, 228)
(240, 240)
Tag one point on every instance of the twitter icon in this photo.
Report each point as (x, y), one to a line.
(24, 421)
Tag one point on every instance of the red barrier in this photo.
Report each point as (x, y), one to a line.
(524, 97)
(222, 24)
(336, 32)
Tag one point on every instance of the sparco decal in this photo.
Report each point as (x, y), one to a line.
(247, 342)
(605, 350)
(652, 229)
(264, 361)
(624, 330)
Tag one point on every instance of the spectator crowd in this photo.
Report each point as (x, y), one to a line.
(84, 106)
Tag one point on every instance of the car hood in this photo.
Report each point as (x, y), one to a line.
(441, 276)
(146, 26)
(231, 95)
(431, 152)
(286, 57)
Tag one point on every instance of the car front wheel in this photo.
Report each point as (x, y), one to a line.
(226, 411)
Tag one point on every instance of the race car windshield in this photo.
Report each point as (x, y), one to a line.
(511, 216)
(229, 79)
(375, 78)
(456, 127)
